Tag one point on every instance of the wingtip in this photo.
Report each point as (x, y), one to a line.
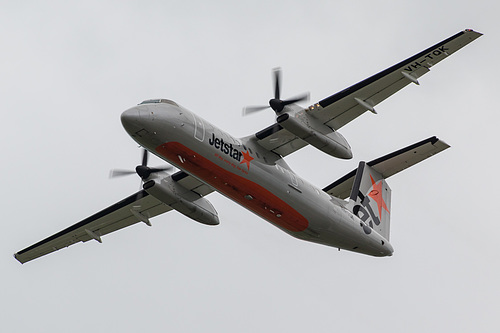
(440, 144)
(15, 257)
(475, 32)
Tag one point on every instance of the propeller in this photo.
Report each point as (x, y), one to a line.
(276, 103)
(142, 170)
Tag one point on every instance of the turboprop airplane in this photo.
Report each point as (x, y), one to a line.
(352, 213)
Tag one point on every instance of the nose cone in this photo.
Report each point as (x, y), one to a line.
(131, 120)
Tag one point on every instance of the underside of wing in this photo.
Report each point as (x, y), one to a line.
(341, 108)
(330, 114)
(390, 164)
(136, 208)
(278, 140)
(189, 182)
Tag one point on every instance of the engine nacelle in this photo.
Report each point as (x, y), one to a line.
(182, 200)
(332, 143)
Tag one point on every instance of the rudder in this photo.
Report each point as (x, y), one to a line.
(370, 200)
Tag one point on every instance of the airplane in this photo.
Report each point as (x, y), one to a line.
(352, 213)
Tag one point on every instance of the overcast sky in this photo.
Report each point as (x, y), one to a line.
(68, 69)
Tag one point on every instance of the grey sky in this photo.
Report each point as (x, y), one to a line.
(68, 70)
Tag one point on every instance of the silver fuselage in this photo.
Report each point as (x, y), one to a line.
(248, 174)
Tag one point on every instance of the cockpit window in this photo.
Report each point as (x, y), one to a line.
(162, 100)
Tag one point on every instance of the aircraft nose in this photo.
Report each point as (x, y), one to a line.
(131, 120)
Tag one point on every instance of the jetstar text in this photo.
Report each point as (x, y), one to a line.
(224, 147)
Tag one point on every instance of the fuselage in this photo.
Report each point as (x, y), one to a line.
(248, 174)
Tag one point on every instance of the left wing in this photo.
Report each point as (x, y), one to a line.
(343, 107)
(191, 183)
(138, 207)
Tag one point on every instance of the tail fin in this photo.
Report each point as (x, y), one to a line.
(370, 196)
(370, 200)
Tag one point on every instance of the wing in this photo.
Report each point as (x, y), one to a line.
(191, 183)
(390, 164)
(341, 108)
(278, 140)
(138, 207)
(118, 216)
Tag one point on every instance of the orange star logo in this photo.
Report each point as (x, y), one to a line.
(376, 194)
(246, 158)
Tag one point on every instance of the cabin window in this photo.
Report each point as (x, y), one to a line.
(161, 100)
(199, 128)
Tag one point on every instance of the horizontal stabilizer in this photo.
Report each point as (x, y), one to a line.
(390, 164)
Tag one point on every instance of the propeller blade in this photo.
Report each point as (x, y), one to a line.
(277, 80)
(145, 158)
(276, 103)
(145, 171)
(120, 173)
(299, 98)
(153, 170)
(252, 109)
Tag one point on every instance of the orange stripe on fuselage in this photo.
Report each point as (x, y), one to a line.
(263, 203)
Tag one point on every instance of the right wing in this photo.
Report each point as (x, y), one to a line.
(138, 207)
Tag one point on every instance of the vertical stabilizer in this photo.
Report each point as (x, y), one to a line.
(370, 200)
